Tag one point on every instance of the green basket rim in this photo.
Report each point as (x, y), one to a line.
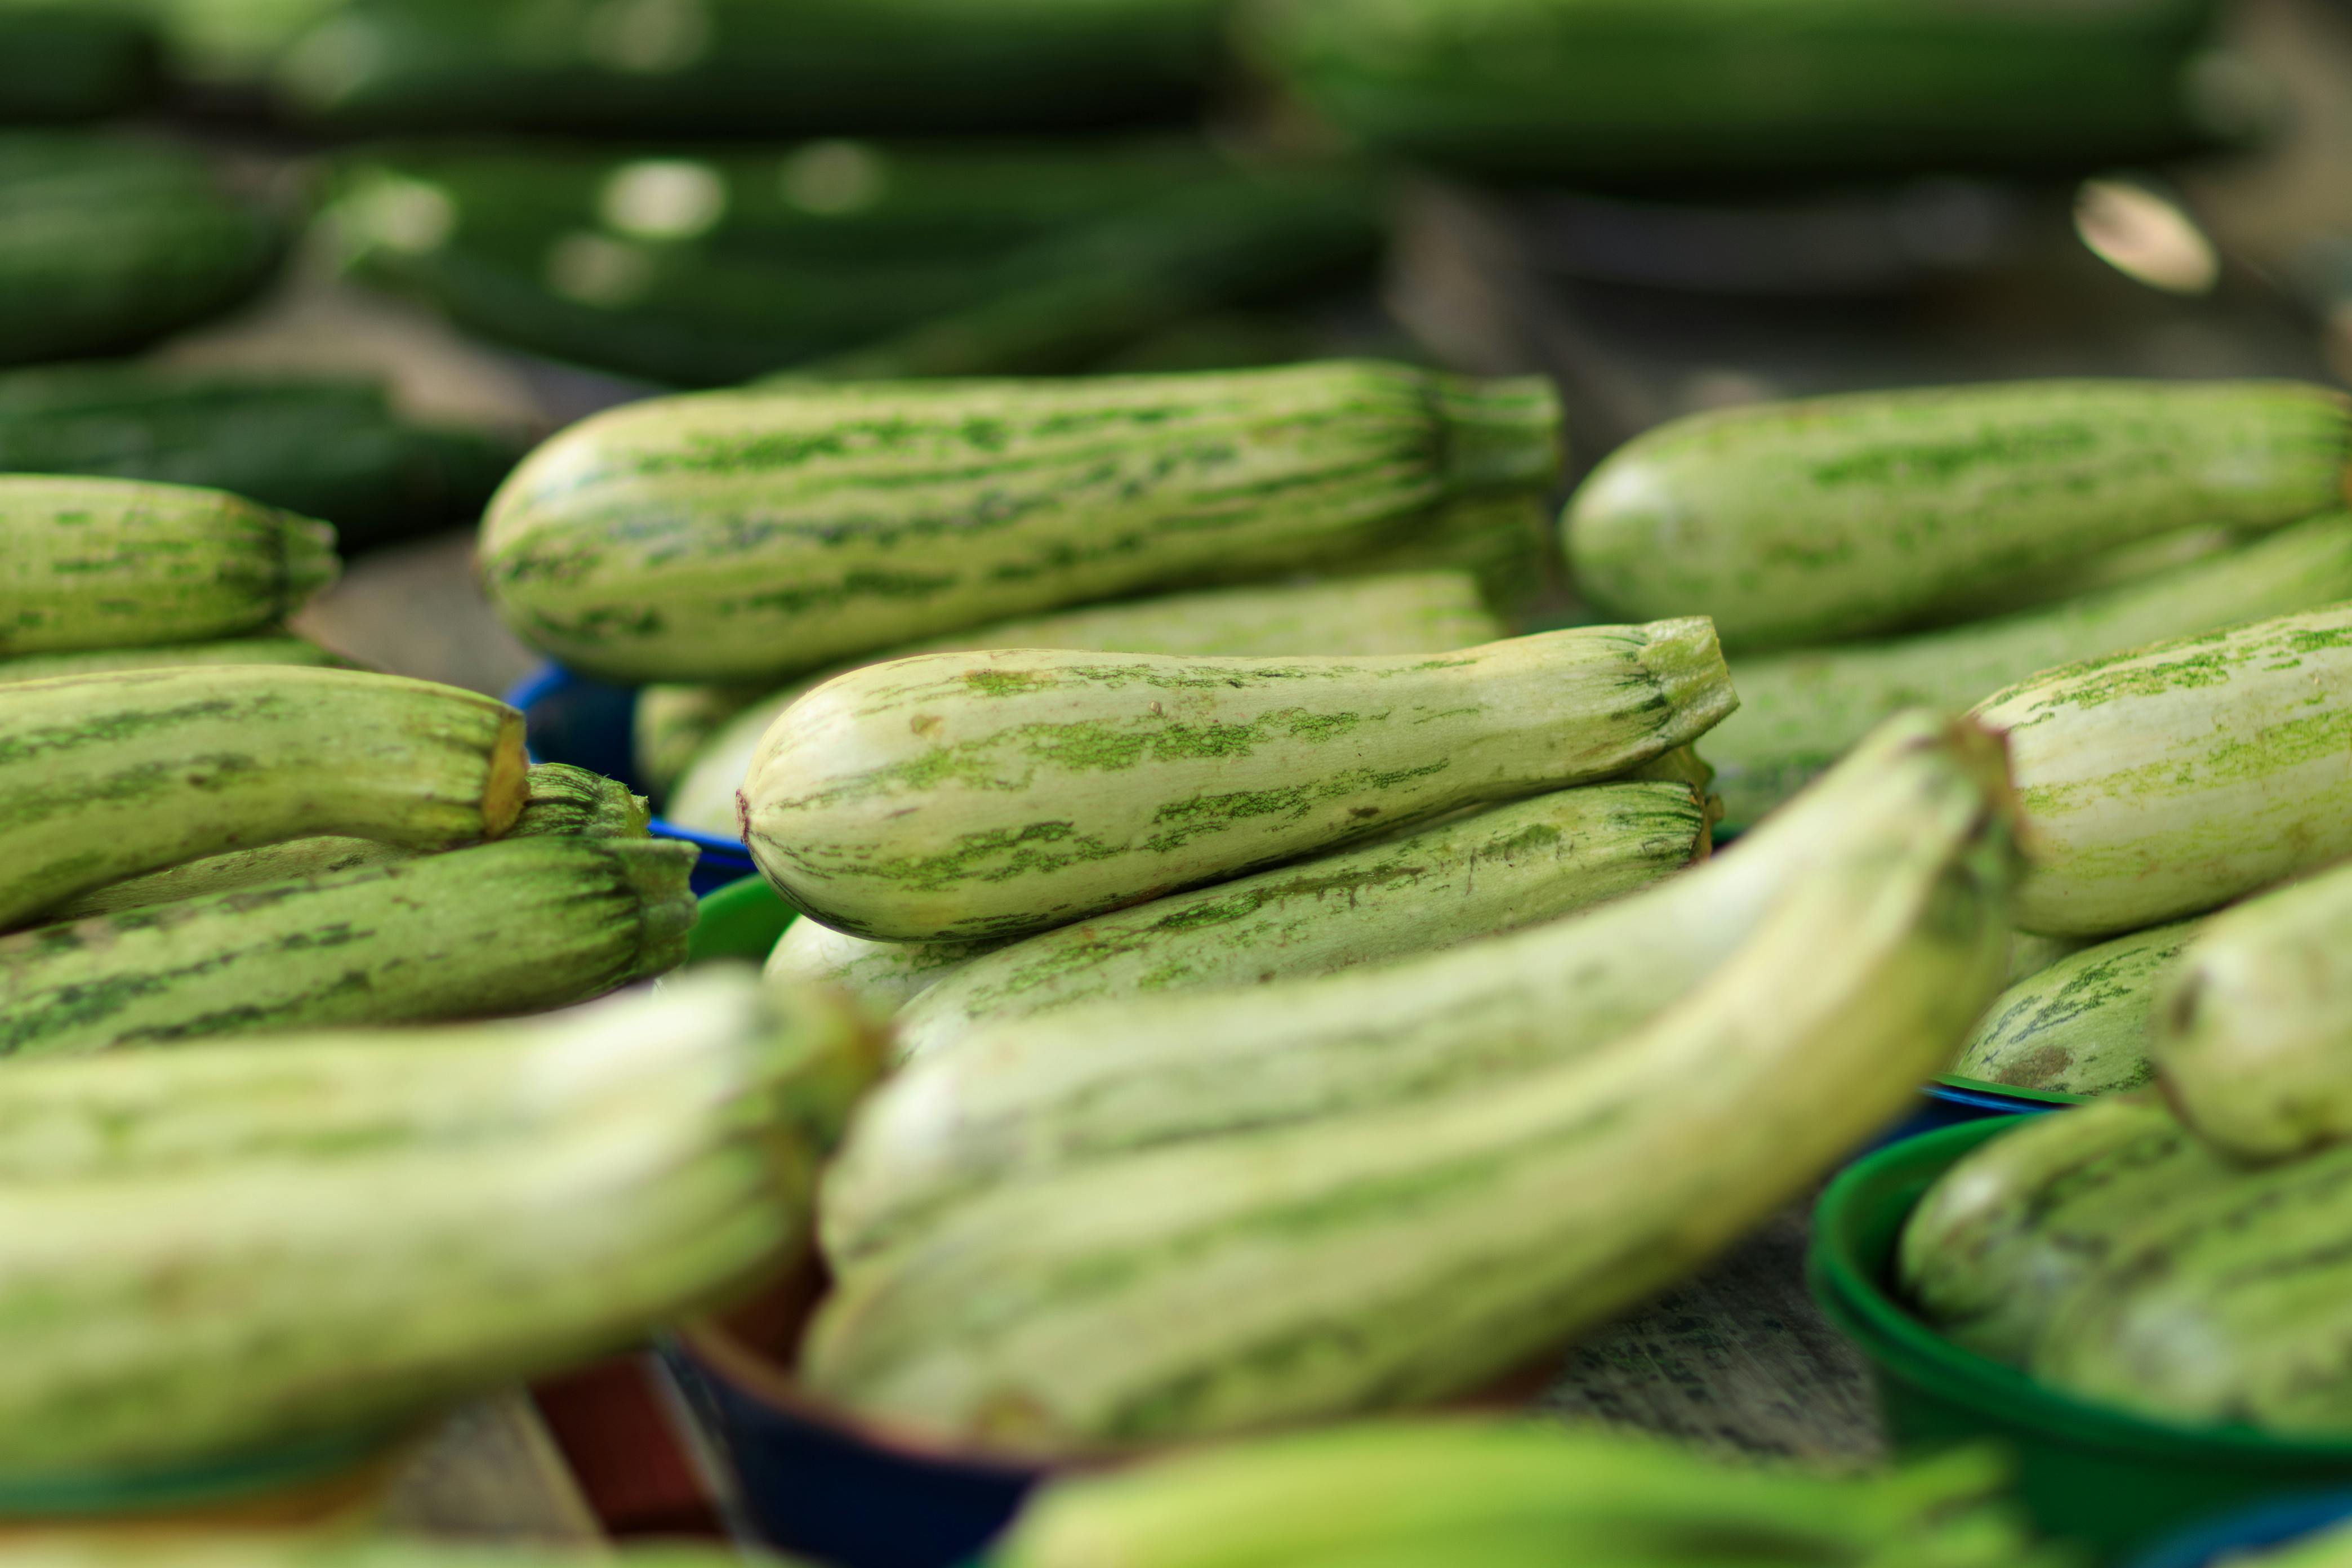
(1847, 1288)
(724, 916)
(222, 1478)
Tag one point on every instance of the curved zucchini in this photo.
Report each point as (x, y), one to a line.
(507, 928)
(1408, 1252)
(565, 800)
(1492, 871)
(107, 776)
(230, 650)
(115, 564)
(960, 796)
(745, 535)
(1117, 1079)
(2082, 1025)
(1798, 711)
(2165, 781)
(1421, 611)
(2252, 1028)
(883, 975)
(1796, 522)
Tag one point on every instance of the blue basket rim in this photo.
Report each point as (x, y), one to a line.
(2275, 1523)
(550, 680)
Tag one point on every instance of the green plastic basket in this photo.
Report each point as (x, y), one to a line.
(2112, 1481)
(742, 920)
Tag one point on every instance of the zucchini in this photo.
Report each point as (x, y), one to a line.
(736, 536)
(316, 446)
(107, 776)
(2082, 1025)
(1493, 870)
(264, 649)
(1426, 611)
(2252, 1027)
(565, 800)
(1410, 1252)
(1009, 791)
(73, 61)
(750, 66)
(2009, 1232)
(497, 928)
(1798, 711)
(241, 1247)
(294, 1549)
(1032, 1097)
(883, 975)
(1684, 90)
(108, 242)
(1834, 517)
(2165, 781)
(110, 563)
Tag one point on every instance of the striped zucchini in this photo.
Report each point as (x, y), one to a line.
(959, 795)
(108, 242)
(2252, 1028)
(1795, 522)
(1798, 712)
(285, 650)
(112, 563)
(1424, 612)
(2030, 954)
(2227, 1306)
(565, 800)
(883, 975)
(1492, 871)
(2163, 782)
(2009, 1232)
(736, 536)
(227, 1248)
(507, 927)
(1412, 1251)
(107, 776)
(1113, 1081)
(2081, 1025)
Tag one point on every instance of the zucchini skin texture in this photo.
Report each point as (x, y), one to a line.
(1798, 711)
(2170, 780)
(108, 242)
(1494, 870)
(265, 649)
(507, 927)
(96, 564)
(741, 536)
(2085, 1024)
(1008, 791)
(109, 776)
(1837, 516)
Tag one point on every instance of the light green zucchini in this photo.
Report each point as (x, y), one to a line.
(1421, 611)
(111, 563)
(317, 1237)
(2030, 954)
(2252, 1027)
(1412, 1251)
(229, 650)
(2165, 781)
(1798, 712)
(745, 535)
(2082, 1025)
(1005, 791)
(1114, 1079)
(2229, 1305)
(506, 928)
(1493, 870)
(107, 776)
(563, 800)
(2010, 1231)
(1797, 523)
(883, 975)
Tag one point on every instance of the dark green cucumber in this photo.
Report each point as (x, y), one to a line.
(72, 59)
(732, 536)
(497, 928)
(2082, 1024)
(108, 242)
(1647, 89)
(742, 66)
(1832, 517)
(325, 448)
